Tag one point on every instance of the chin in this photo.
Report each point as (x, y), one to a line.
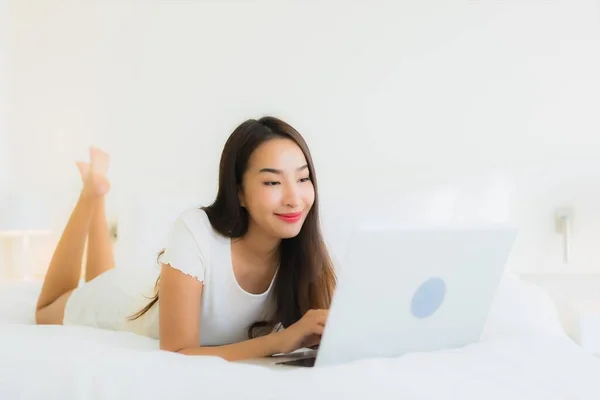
(288, 232)
(289, 236)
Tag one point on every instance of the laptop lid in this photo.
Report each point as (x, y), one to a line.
(410, 290)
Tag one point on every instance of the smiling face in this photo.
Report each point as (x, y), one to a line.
(276, 189)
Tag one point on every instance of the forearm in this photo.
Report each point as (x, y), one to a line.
(263, 346)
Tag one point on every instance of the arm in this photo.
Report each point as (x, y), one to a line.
(253, 348)
(179, 321)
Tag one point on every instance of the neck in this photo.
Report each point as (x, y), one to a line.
(262, 247)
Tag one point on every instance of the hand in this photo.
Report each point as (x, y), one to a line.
(304, 333)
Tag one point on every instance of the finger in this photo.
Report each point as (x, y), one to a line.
(317, 329)
(321, 319)
(312, 341)
(317, 313)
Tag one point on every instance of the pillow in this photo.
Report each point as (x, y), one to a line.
(18, 300)
(522, 309)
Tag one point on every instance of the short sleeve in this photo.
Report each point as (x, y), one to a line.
(186, 245)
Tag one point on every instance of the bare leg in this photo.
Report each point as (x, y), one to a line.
(64, 271)
(99, 252)
(65, 267)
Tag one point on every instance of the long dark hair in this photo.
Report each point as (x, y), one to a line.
(306, 278)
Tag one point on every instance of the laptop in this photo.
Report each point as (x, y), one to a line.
(411, 290)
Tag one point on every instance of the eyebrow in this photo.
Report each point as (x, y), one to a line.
(279, 172)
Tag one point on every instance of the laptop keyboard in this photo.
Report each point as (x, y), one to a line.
(301, 362)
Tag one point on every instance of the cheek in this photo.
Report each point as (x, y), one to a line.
(264, 200)
(309, 195)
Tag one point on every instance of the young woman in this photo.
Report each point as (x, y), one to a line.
(231, 273)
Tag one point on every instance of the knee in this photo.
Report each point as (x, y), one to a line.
(44, 317)
(51, 314)
(39, 316)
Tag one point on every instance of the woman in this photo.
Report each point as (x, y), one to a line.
(230, 272)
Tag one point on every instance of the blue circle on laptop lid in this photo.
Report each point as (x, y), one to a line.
(428, 298)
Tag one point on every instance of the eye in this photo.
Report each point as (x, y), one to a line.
(270, 183)
(304, 180)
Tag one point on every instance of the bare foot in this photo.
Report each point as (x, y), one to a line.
(93, 174)
(99, 160)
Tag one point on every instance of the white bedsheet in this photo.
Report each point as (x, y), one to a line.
(524, 354)
(79, 363)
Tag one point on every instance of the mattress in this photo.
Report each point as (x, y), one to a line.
(72, 362)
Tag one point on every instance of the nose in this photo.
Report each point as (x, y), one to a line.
(291, 197)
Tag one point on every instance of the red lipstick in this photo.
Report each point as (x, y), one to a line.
(290, 218)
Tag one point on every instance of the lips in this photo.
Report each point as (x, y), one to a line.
(290, 218)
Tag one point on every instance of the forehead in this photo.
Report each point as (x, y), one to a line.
(277, 153)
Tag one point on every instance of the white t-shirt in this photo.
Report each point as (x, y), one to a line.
(196, 249)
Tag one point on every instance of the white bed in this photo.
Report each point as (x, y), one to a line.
(524, 354)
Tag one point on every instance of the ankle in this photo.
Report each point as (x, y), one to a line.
(89, 197)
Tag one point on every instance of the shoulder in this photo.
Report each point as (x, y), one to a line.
(189, 243)
(195, 219)
(193, 227)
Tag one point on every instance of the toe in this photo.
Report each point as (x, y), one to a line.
(99, 160)
(83, 168)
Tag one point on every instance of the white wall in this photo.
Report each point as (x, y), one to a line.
(4, 164)
(490, 109)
